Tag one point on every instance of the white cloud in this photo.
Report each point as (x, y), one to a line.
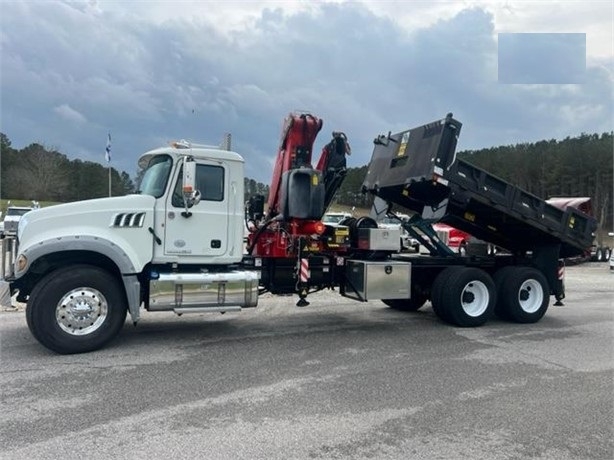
(157, 71)
(69, 114)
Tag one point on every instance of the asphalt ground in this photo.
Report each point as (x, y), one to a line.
(337, 379)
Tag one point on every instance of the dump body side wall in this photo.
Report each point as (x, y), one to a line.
(418, 169)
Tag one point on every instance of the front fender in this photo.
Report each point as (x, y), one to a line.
(92, 245)
(95, 244)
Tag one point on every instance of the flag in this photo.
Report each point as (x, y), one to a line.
(107, 150)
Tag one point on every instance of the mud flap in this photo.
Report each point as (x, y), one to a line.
(546, 259)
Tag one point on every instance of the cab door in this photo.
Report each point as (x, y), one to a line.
(202, 231)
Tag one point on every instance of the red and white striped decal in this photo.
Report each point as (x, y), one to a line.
(304, 271)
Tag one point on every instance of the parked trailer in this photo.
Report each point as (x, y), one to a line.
(178, 245)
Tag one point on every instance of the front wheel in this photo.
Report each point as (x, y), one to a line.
(76, 309)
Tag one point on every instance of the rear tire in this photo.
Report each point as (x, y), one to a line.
(441, 280)
(76, 309)
(499, 279)
(525, 295)
(465, 296)
(599, 255)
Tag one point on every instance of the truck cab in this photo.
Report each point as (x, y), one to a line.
(174, 246)
(209, 230)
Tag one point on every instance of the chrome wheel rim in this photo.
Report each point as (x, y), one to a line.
(81, 311)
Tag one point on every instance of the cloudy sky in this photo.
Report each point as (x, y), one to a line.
(150, 72)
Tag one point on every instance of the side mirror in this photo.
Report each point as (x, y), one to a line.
(191, 195)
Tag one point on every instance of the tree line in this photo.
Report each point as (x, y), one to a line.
(574, 166)
(38, 173)
(579, 166)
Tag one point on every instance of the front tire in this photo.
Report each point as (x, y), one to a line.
(76, 309)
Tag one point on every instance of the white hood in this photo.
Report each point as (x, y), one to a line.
(123, 221)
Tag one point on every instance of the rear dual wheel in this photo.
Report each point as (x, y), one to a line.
(599, 255)
(463, 296)
(523, 294)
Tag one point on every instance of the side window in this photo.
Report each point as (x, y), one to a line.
(209, 181)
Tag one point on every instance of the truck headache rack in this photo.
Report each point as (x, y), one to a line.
(418, 169)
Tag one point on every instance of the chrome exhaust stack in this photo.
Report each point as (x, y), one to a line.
(9, 253)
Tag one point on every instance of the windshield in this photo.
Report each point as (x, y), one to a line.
(156, 176)
(16, 211)
(333, 218)
(390, 220)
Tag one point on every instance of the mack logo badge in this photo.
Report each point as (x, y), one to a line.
(388, 269)
(179, 243)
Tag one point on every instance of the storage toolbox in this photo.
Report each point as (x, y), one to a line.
(369, 280)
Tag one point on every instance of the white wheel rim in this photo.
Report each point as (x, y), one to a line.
(475, 298)
(530, 296)
(81, 311)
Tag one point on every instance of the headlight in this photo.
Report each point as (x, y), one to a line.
(21, 263)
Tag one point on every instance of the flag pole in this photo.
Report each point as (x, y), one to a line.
(107, 154)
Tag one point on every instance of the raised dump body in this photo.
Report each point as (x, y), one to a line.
(418, 169)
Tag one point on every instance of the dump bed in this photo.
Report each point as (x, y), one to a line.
(418, 170)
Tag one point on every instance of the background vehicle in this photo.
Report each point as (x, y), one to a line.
(12, 217)
(599, 250)
(335, 218)
(178, 246)
(395, 222)
(454, 238)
